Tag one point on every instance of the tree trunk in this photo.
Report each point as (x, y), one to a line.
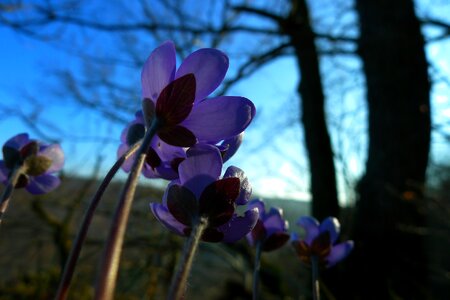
(318, 144)
(389, 258)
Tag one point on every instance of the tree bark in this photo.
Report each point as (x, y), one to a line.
(318, 145)
(389, 259)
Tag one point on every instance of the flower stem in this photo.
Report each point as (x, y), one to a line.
(257, 267)
(315, 277)
(107, 277)
(179, 280)
(71, 262)
(7, 193)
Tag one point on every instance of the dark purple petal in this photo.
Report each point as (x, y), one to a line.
(239, 226)
(177, 136)
(339, 252)
(176, 100)
(202, 166)
(164, 217)
(212, 235)
(274, 221)
(331, 225)
(55, 154)
(18, 141)
(258, 233)
(152, 158)
(220, 118)
(158, 70)
(311, 227)
(260, 205)
(217, 201)
(11, 157)
(209, 67)
(42, 184)
(4, 172)
(245, 191)
(275, 241)
(182, 204)
(231, 145)
(148, 111)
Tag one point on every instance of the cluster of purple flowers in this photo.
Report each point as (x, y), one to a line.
(189, 137)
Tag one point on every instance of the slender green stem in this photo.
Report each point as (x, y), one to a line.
(71, 262)
(179, 280)
(7, 193)
(256, 271)
(107, 277)
(315, 277)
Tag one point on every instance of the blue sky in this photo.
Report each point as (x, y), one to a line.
(272, 154)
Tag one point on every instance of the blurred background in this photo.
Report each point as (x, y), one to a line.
(353, 107)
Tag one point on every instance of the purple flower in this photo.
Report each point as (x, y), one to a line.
(320, 242)
(37, 160)
(271, 228)
(200, 193)
(163, 159)
(177, 98)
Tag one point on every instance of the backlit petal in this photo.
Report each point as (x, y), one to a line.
(239, 226)
(158, 70)
(202, 166)
(331, 225)
(245, 191)
(209, 67)
(55, 153)
(42, 184)
(220, 118)
(165, 217)
(339, 252)
(311, 227)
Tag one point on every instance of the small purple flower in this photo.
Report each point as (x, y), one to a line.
(200, 193)
(163, 159)
(177, 98)
(37, 160)
(320, 242)
(271, 228)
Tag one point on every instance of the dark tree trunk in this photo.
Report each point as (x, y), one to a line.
(318, 145)
(389, 258)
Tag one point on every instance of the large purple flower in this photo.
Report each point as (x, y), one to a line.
(319, 241)
(177, 98)
(37, 162)
(163, 159)
(270, 230)
(199, 193)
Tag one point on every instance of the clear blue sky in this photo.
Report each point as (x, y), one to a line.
(272, 154)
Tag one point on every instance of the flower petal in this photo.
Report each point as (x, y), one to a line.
(274, 221)
(202, 166)
(217, 201)
(230, 146)
(275, 241)
(182, 204)
(176, 100)
(339, 252)
(311, 227)
(239, 226)
(4, 172)
(177, 136)
(158, 70)
(18, 141)
(245, 191)
(165, 217)
(220, 118)
(261, 207)
(209, 67)
(331, 225)
(55, 153)
(42, 184)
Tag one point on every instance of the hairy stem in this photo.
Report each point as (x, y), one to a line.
(179, 280)
(315, 277)
(106, 280)
(7, 193)
(71, 262)
(256, 270)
